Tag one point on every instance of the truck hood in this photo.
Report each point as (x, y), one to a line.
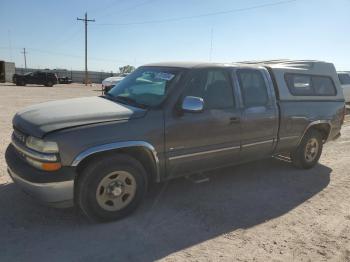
(37, 120)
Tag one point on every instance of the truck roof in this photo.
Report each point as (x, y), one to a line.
(305, 65)
(278, 68)
(189, 64)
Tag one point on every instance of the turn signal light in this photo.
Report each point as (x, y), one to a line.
(50, 166)
(47, 166)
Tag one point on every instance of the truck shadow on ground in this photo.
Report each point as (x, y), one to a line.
(175, 216)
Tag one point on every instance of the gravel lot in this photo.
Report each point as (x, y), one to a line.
(265, 211)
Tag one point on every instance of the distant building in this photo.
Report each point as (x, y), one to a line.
(7, 70)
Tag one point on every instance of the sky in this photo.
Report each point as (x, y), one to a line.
(137, 32)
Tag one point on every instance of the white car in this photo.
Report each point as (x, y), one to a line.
(109, 82)
(344, 78)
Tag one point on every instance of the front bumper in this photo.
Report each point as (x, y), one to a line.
(53, 188)
(58, 194)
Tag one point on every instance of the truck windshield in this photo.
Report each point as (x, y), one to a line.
(147, 86)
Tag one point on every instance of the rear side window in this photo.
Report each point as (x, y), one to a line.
(253, 87)
(344, 79)
(310, 85)
(323, 86)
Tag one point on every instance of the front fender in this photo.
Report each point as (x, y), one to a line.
(118, 145)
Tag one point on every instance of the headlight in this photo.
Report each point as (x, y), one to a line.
(41, 145)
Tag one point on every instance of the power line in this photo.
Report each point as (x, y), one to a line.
(76, 56)
(86, 20)
(54, 53)
(166, 20)
(67, 37)
(10, 44)
(119, 12)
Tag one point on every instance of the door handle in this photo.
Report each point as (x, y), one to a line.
(235, 119)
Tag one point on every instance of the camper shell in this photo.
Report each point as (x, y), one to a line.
(280, 68)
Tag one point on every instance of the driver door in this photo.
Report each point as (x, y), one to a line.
(208, 139)
(33, 78)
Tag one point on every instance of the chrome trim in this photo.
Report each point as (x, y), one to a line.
(288, 138)
(258, 143)
(118, 145)
(52, 193)
(33, 154)
(204, 152)
(316, 123)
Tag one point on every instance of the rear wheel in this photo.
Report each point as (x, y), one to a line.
(49, 84)
(111, 188)
(309, 150)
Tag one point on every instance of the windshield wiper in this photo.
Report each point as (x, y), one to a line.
(124, 100)
(108, 96)
(128, 101)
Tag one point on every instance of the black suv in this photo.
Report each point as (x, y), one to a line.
(38, 78)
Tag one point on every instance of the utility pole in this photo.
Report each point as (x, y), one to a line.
(25, 58)
(10, 44)
(86, 20)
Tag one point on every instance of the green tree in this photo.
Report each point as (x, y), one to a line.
(126, 69)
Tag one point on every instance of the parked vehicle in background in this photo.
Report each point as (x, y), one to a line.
(7, 70)
(64, 80)
(344, 78)
(37, 77)
(167, 120)
(110, 82)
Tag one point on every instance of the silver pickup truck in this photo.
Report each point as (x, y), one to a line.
(168, 120)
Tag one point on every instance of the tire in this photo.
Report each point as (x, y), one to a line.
(20, 83)
(309, 150)
(49, 84)
(104, 189)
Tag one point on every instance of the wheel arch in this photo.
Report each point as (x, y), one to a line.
(140, 150)
(323, 126)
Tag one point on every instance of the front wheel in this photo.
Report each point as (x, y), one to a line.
(20, 83)
(309, 150)
(111, 188)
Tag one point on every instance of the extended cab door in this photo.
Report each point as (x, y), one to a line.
(207, 139)
(30, 78)
(259, 113)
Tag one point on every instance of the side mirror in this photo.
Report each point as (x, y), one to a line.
(192, 104)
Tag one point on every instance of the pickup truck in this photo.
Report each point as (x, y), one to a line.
(167, 120)
(344, 78)
(110, 82)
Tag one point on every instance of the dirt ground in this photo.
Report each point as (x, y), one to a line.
(265, 211)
